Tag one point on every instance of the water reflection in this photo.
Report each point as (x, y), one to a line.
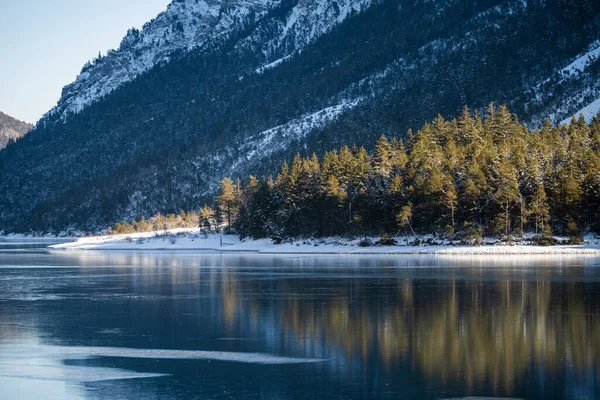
(456, 332)
(423, 327)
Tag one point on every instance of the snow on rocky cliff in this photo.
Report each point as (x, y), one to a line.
(190, 24)
(186, 24)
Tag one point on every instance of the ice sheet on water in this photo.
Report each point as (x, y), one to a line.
(19, 388)
(66, 373)
(68, 352)
(252, 358)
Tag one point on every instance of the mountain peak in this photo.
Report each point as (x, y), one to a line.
(191, 24)
(184, 25)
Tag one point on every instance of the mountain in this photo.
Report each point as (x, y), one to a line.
(11, 129)
(229, 88)
(192, 24)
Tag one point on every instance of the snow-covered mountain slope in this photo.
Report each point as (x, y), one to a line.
(580, 70)
(589, 112)
(190, 24)
(570, 91)
(249, 153)
(11, 129)
(306, 21)
(212, 88)
(185, 24)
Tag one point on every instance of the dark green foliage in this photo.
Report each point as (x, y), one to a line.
(505, 181)
(574, 233)
(544, 240)
(470, 234)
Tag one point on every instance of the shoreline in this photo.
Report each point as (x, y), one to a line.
(193, 240)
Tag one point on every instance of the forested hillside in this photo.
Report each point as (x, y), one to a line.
(252, 95)
(460, 178)
(467, 175)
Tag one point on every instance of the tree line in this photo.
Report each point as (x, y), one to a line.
(467, 176)
(462, 178)
(205, 218)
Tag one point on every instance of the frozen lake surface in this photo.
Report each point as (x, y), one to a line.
(185, 325)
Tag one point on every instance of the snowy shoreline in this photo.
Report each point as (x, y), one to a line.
(193, 240)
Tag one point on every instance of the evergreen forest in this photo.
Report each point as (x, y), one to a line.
(463, 178)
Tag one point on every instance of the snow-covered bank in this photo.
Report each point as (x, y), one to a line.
(192, 239)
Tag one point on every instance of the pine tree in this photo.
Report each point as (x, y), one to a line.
(499, 123)
(506, 196)
(571, 198)
(468, 134)
(336, 199)
(399, 157)
(143, 225)
(404, 217)
(450, 200)
(229, 200)
(539, 209)
(382, 157)
(592, 190)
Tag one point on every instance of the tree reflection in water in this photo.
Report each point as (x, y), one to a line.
(498, 323)
(456, 331)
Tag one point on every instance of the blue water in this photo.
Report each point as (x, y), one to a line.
(146, 325)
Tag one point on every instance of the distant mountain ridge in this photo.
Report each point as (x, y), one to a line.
(11, 129)
(214, 88)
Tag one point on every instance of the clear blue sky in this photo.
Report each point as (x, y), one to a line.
(44, 44)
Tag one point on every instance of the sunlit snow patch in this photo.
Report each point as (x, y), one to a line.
(588, 112)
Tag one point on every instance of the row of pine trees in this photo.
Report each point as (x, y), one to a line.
(459, 178)
(470, 175)
(205, 218)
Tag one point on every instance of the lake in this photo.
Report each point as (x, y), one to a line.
(156, 325)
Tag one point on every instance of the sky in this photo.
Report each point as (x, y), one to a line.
(44, 44)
